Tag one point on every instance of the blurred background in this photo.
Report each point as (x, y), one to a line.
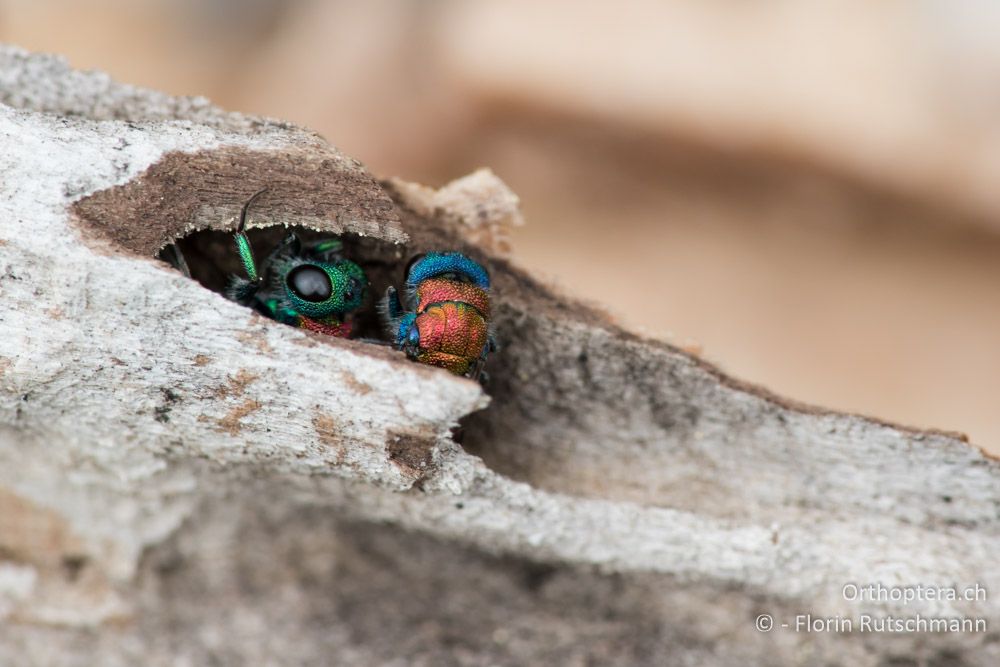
(807, 193)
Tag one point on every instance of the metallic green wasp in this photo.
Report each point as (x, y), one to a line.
(308, 286)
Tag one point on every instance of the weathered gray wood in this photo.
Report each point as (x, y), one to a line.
(170, 458)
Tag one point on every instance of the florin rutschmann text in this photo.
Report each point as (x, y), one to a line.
(880, 594)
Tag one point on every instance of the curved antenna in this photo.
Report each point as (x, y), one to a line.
(246, 207)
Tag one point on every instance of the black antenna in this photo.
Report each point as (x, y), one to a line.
(246, 207)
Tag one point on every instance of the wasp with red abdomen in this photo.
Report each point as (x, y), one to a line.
(443, 318)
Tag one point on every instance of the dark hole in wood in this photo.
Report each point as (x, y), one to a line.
(212, 258)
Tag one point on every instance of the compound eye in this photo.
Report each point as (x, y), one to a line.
(309, 283)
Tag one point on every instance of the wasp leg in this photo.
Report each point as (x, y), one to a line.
(289, 246)
(408, 336)
(245, 290)
(394, 307)
(172, 255)
(326, 250)
(390, 311)
(285, 316)
(242, 291)
(476, 371)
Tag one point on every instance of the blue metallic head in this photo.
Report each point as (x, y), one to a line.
(435, 264)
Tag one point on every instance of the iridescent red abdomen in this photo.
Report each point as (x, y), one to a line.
(448, 325)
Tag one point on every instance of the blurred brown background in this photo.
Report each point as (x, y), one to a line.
(808, 191)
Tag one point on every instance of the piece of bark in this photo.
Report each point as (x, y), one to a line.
(170, 459)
